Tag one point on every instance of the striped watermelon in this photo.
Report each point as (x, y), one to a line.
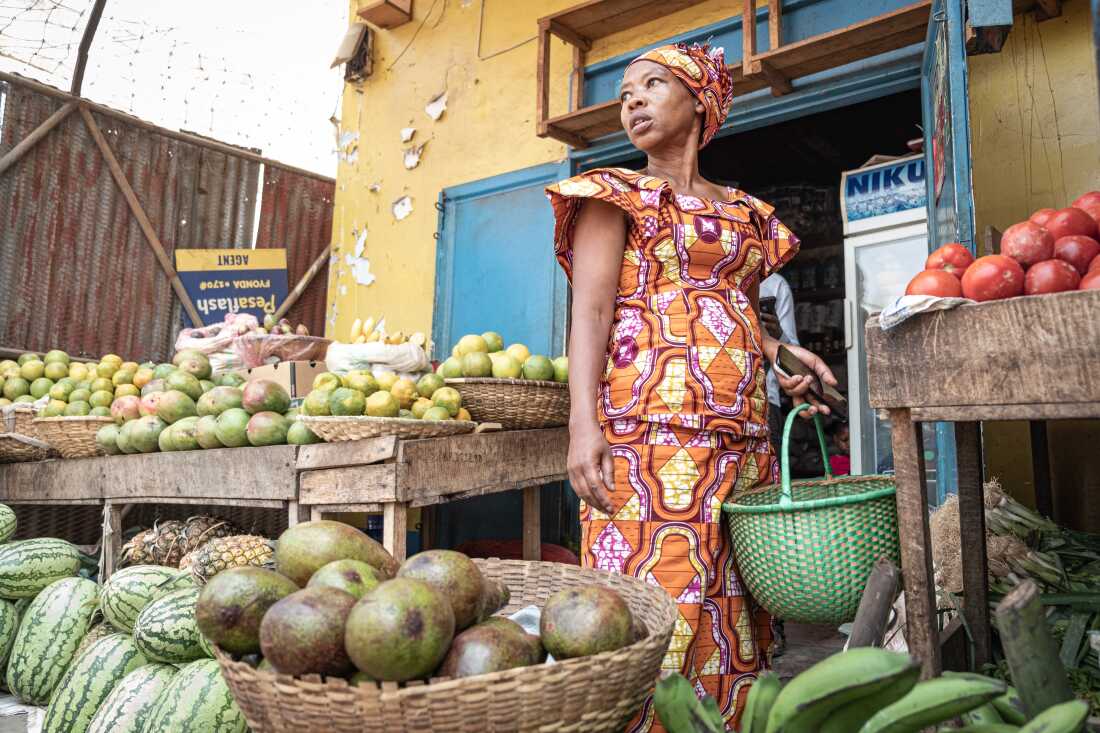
(49, 633)
(129, 704)
(197, 700)
(9, 626)
(166, 631)
(130, 590)
(88, 682)
(29, 566)
(7, 523)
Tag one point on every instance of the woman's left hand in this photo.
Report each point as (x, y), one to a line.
(798, 388)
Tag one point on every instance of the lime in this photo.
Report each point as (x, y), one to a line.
(122, 376)
(428, 384)
(561, 369)
(77, 370)
(421, 406)
(55, 370)
(405, 392)
(24, 399)
(436, 414)
(519, 352)
(41, 387)
(493, 340)
(382, 404)
(56, 355)
(24, 358)
(405, 414)
(11, 372)
(451, 368)
(99, 383)
(100, 411)
(32, 370)
(101, 398)
(316, 402)
(126, 389)
(106, 369)
(477, 364)
(16, 387)
(326, 381)
(78, 408)
(506, 367)
(7, 364)
(54, 408)
(129, 366)
(386, 380)
(538, 367)
(112, 359)
(80, 394)
(362, 381)
(471, 344)
(346, 401)
(449, 398)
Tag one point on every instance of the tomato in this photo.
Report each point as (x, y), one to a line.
(1042, 216)
(1095, 264)
(939, 283)
(1087, 200)
(1092, 208)
(993, 277)
(953, 258)
(1069, 221)
(1078, 251)
(1050, 276)
(1027, 243)
(1090, 281)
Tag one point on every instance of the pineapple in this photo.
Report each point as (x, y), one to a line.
(200, 530)
(167, 542)
(97, 632)
(230, 552)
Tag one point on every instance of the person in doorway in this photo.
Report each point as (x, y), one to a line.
(840, 448)
(668, 413)
(781, 326)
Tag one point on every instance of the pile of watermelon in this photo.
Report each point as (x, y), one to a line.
(124, 658)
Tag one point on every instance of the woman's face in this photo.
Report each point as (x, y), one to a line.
(657, 108)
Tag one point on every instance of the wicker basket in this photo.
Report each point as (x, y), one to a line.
(516, 404)
(20, 439)
(805, 548)
(72, 437)
(18, 418)
(596, 694)
(339, 429)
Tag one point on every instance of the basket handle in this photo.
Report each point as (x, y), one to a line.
(785, 466)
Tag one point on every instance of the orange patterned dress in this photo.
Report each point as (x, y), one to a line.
(683, 405)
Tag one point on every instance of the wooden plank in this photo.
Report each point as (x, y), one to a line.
(209, 501)
(532, 523)
(430, 499)
(350, 485)
(1031, 652)
(577, 80)
(780, 84)
(58, 481)
(1040, 467)
(916, 554)
(48, 502)
(367, 508)
(953, 646)
(987, 413)
(443, 467)
(394, 521)
(296, 513)
(775, 24)
(542, 81)
(112, 540)
(303, 283)
(873, 615)
(928, 361)
(139, 214)
(602, 18)
(350, 453)
(975, 569)
(568, 35)
(20, 149)
(748, 34)
(991, 240)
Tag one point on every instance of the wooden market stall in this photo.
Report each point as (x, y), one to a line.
(1028, 358)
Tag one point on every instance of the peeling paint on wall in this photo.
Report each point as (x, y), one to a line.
(402, 207)
(437, 105)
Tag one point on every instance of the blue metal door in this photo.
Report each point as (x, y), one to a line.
(495, 271)
(946, 109)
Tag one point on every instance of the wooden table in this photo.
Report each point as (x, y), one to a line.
(1030, 358)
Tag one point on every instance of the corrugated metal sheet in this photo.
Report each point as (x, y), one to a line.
(296, 213)
(75, 270)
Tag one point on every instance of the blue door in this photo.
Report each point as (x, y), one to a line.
(495, 271)
(946, 109)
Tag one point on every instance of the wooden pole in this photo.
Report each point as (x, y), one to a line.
(85, 46)
(139, 214)
(775, 28)
(748, 35)
(873, 616)
(1032, 655)
(303, 283)
(975, 569)
(12, 156)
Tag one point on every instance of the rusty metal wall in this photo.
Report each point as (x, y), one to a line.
(76, 272)
(296, 213)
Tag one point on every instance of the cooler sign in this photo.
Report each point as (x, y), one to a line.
(222, 281)
(884, 189)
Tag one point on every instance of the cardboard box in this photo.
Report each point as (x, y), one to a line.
(295, 376)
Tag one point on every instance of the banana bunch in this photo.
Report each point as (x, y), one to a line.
(681, 711)
(372, 330)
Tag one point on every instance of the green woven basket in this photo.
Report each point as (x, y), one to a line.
(805, 548)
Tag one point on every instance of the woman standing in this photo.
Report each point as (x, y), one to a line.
(666, 355)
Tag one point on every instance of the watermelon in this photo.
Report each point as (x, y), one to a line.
(49, 633)
(88, 682)
(9, 625)
(130, 590)
(7, 523)
(29, 566)
(166, 631)
(197, 700)
(130, 702)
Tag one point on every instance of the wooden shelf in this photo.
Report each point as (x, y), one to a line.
(601, 18)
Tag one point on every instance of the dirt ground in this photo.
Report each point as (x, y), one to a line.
(806, 645)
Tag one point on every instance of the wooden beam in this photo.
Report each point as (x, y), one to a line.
(139, 214)
(986, 413)
(567, 137)
(1040, 467)
(303, 283)
(748, 34)
(542, 81)
(532, 523)
(780, 84)
(577, 79)
(1047, 9)
(85, 46)
(350, 485)
(975, 569)
(873, 615)
(350, 453)
(775, 24)
(12, 156)
(394, 525)
(568, 35)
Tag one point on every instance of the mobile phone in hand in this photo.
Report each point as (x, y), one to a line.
(767, 305)
(791, 366)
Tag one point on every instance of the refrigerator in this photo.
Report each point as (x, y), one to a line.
(883, 206)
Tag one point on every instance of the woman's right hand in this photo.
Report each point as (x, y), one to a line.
(591, 470)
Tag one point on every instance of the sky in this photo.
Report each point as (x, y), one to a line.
(249, 73)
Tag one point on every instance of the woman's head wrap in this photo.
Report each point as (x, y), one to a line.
(703, 71)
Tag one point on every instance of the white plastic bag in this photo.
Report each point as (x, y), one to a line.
(404, 359)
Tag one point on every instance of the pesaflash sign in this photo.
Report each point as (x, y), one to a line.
(222, 281)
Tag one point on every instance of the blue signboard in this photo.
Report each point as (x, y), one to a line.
(884, 189)
(222, 281)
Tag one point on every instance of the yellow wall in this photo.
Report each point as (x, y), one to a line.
(1035, 142)
(487, 129)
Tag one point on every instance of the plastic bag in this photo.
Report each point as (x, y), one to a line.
(216, 341)
(406, 360)
(255, 349)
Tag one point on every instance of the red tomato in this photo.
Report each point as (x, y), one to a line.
(1069, 221)
(1092, 208)
(1090, 281)
(1027, 243)
(1078, 251)
(1051, 276)
(953, 258)
(935, 282)
(1042, 216)
(1095, 264)
(1087, 200)
(993, 277)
